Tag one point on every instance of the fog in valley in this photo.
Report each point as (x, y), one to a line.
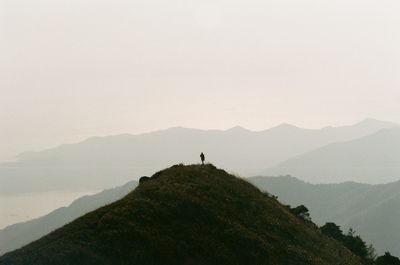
(96, 94)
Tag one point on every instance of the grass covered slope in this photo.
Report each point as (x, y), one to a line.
(187, 215)
(18, 235)
(371, 210)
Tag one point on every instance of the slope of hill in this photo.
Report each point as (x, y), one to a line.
(372, 210)
(101, 162)
(18, 235)
(371, 159)
(187, 215)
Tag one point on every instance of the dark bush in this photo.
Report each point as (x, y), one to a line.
(387, 259)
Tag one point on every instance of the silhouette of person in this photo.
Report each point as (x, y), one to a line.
(202, 157)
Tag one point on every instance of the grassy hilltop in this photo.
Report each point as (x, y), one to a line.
(187, 215)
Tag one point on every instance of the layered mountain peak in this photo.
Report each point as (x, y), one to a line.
(374, 123)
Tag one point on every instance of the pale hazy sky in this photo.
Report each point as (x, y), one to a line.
(70, 69)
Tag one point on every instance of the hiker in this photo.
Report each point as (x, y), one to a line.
(202, 157)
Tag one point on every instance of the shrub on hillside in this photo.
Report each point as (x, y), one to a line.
(387, 259)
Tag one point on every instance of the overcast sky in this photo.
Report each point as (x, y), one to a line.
(70, 69)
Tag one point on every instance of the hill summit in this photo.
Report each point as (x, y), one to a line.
(187, 215)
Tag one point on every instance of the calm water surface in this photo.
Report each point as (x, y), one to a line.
(24, 207)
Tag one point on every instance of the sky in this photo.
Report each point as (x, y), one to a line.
(71, 69)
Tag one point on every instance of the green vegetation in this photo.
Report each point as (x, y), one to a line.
(302, 212)
(352, 241)
(372, 210)
(188, 215)
(355, 243)
(387, 259)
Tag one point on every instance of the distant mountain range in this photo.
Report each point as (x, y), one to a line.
(188, 215)
(103, 162)
(371, 159)
(372, 210)
(18, 235)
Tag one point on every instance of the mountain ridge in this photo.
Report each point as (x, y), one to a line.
(103, 162)
(368, 122)
(369, 159)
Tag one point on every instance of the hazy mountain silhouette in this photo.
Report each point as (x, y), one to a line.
(372, 210)
(102, 162)
(371, 159)
(188, 215)
(18, 235)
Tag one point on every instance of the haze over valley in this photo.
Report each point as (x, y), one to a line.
(199, 132)
(53, 178)
(103, 162)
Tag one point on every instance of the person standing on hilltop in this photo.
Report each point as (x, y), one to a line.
(203, 158)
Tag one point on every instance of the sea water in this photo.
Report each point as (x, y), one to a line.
(24, 207)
